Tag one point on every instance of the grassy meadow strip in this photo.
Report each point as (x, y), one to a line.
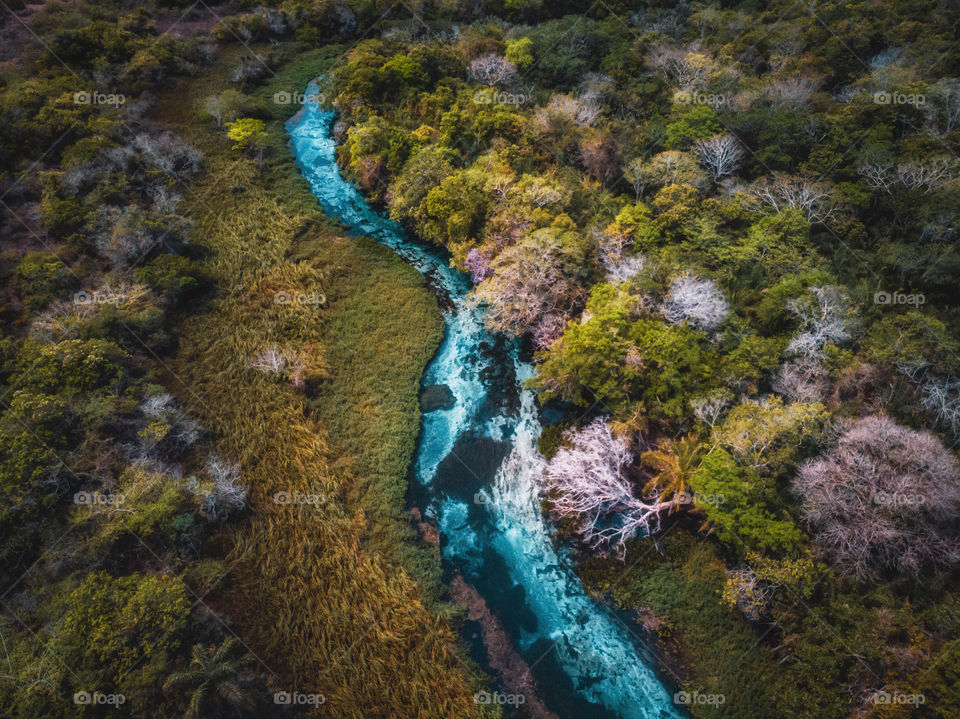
(328, 585)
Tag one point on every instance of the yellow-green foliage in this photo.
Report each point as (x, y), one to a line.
(318, 588)
(115, 622)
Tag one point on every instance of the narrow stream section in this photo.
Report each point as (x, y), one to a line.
(476, 467)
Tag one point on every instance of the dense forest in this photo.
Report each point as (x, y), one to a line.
(726, 234)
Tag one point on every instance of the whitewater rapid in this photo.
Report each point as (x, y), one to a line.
(492, 529)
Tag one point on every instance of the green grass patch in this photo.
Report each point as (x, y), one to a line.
(716, 650)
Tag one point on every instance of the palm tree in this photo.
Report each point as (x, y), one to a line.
(675, 463)
(212, 678)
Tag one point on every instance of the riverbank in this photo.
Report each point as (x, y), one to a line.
(477, 470)
(327, 585)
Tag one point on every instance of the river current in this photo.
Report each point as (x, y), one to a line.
(475, 472)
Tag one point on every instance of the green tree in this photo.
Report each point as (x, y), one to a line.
(114, 622)
(912, 339)
(248, 134)
(742, 509)
(698, 123)
(520, 52)
(453, 212)
(774, 245)
(616, 357)
(770, 435)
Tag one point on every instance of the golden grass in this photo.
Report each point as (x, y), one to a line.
(330, 597)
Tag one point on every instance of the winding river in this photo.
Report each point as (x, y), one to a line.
(475, 474)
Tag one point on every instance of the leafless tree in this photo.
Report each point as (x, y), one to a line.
(940, 396)
(276, 361)
(586, 481)
(492, 70)
(121, 235)
(885, 58)
(62, 320)
(184, 430)
(601, 157)
(879, 175)
(276, 21)
(636, 174)
(825, 317)
(688, 67)
(227, 495)
(614, 253)
(926, 176)
(720, 155)
(165, 200)
(548, 330)
(622, 268)
(529, 282)
(941, 227)
(814, 199)
(220, 108)
(478, 265)
(709, 408)
(170, 154)
(506, 227)
(748, 592)
(541, 192)
(794, 91)
(124, 235)
(138, 161)
(943, 106)
(696, 302)
(250, 68)
(666, 168)
(801, 380)
(583, 111)
(884, 499)
(932, 176)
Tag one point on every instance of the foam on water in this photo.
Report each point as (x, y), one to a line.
(505, 529)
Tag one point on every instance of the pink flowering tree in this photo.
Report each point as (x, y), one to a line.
(478, 265)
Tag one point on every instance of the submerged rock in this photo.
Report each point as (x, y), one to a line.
(437, 396)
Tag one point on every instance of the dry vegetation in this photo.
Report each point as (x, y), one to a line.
(326, 591)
